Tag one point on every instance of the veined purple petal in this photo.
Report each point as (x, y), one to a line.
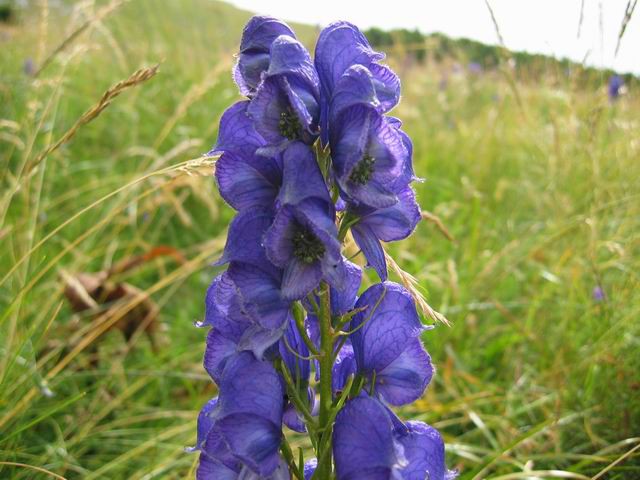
(300, 278)
(249, 412)
(250, 385)
(254, 440)
(396, 222)
(266, 110)
(244, 186)
(355, 87)
(424, 450)
(219, 349)
(391, 323)
(363, 441)
(290, 58)
(244, 240)
(254, 58)
(236, 132)
(260, 32)
(341, 45)
(368, 242)
(405, 379)
(387, 85)
(224, 310)
(211, 469)
(344, 366)
(261, 296)
(302, 178)
(205, 422)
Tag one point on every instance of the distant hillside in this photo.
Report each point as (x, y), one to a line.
(439, 47)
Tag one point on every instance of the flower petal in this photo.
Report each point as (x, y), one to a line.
(210, 469)
(244, 240)
(390, 323)
(224, 310)
(405, 379)
(363, 440)
(261, 296)
(368, 242)
(300, 278)
(253, 439)
(218, 350)
(395, 222)
(302, 178)
(424, 450)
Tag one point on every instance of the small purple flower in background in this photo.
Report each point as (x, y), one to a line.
(309, 156)
(29, 67)
(615, 86)
(475, 68)
(598, 294)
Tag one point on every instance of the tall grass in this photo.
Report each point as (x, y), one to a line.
(536, 377)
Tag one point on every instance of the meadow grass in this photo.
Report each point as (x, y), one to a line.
(536, 377)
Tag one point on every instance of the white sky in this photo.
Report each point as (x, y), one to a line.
(542, 26)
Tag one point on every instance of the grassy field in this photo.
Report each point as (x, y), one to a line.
(536, 180)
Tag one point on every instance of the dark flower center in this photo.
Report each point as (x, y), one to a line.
(362, 172)
(289, 124)
(306, 246)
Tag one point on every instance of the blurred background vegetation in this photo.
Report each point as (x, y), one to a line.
(531, 168)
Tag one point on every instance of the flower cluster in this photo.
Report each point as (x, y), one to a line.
(308, 157)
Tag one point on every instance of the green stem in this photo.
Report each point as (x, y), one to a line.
(326, 394)
(288, 456)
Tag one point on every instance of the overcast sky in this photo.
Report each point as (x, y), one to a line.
(543, 26)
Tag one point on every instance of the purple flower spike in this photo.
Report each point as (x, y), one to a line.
(386, 344)
(424, 450)
(386, 224)
(255, 51)
(245, 179)
(369, 155)
(303, 241)
(248, 415)
(363, 442)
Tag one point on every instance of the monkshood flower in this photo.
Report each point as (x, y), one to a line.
(286, 106)
(340, 46)
(386, 344)
(303, 240)
(363, 443)
(255, 51)
(367, 149)
(385, 224)
(424, 451)
(243, 427)
(370, 444)
(245, 179)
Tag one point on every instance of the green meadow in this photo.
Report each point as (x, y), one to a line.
(530, 247)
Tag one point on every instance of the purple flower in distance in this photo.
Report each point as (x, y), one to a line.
(598, 293)
(245, 179)
(255, 47)
(363, 442)
(340, 46)
(386, 344)
(303, 241)
(385, 224)
(246, 420)
(614, 87)
(424, 451)
(286, 105)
